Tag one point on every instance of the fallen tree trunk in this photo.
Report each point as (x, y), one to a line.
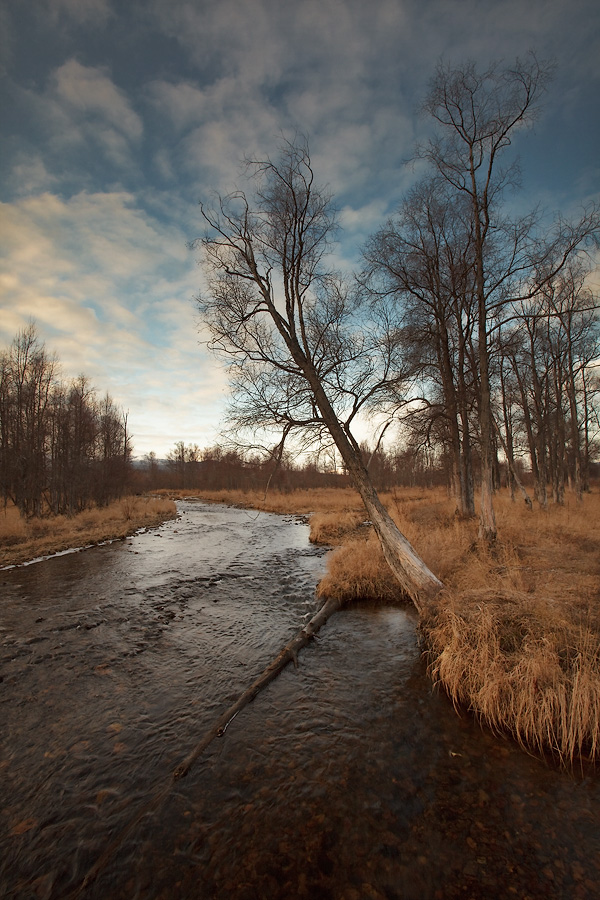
(287, 655)
(218, 729)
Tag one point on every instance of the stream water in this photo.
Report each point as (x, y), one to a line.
(347, 778)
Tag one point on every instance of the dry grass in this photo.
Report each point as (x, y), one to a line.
(332, 500)
(516, 637)
(523, 667)
(22, 540)
(358, 571)
(333, 527)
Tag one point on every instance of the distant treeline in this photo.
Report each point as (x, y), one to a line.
(189, 467)
(62, 448)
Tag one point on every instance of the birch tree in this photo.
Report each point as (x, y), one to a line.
(477, 115)
(302, 357)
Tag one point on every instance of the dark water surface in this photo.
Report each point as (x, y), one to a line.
(347, 778)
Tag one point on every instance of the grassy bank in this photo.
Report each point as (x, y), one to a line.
(22, 539)
(516, 637)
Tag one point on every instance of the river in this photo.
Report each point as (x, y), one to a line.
(348, 778)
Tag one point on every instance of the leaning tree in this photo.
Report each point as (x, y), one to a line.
(303, 358)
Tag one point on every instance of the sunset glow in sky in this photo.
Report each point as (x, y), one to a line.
(118, 117)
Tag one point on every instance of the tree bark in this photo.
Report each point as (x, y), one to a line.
(511, 466)
(415, 578)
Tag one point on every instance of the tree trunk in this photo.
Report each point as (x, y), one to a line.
(415, 578)
(585, 463)
(463, 495)
(575, 434)
(512, 469)
(487, 518)
(465, 455)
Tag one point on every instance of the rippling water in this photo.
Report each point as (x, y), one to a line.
(346, 778)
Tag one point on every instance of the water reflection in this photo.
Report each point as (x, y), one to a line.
(347, 778)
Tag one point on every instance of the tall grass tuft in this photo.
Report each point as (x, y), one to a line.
(522, 667)
(358, 571)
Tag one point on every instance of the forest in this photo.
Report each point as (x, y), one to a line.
(62, 448)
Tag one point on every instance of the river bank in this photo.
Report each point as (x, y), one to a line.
(23, 540)
(516, 635)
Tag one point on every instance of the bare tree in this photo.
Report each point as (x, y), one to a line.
(302, 357)
(551, 350)
(423, 258)
(27, 378)
(478, 114)
(60, 449)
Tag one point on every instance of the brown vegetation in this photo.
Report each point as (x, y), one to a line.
(516, 636)
(295, 502)
(25, 539)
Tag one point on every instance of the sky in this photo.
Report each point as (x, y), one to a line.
(120, 116)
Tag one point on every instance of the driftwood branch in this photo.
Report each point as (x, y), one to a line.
(287, 655)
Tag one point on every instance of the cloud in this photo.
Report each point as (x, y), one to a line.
(89, 91)
(79, 12)
(184, 104)
(30, 175)
(347, 74)
(215, 127)
(110, 287)
(326, 70)
(83, 121)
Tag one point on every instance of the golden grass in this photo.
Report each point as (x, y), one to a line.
(358, 571)
(516, 636)
(523, 667)
(332, 527)
(22, 540)
(293, 502)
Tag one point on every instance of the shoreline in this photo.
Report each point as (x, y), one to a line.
(515, 637)
(43, 539)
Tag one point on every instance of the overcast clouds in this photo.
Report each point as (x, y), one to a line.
(119, 117)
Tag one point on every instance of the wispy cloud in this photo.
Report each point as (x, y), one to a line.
(79, 12)
(111, 287)
(89, 92)
(121, 116)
